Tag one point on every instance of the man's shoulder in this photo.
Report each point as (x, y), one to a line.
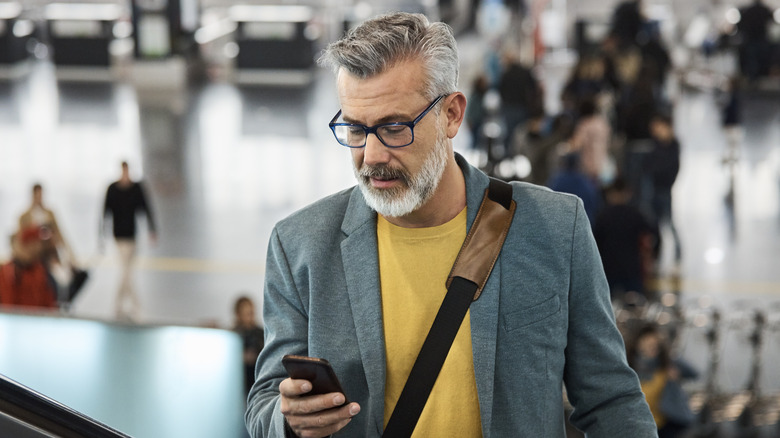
(526, 193)
(539, 206)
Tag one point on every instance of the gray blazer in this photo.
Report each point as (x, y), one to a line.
(544, 320)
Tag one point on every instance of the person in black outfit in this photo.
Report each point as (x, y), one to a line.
(126, 198)
(663, 164)
(627, 22)
(634, 117)
(252, 336)
(520, 94)
(620, 230)
(476, 113)
(731, 120)
(755, 47)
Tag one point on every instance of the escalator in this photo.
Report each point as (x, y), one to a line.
(25, 413)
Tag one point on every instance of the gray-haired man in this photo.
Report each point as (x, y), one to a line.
(358, 277)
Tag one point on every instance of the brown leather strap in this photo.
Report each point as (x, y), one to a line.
(464, 285)
(483, 243)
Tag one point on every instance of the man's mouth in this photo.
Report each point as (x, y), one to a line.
(383, 177)
(383, 182)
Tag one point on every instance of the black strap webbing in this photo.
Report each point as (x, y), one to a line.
(436, 346)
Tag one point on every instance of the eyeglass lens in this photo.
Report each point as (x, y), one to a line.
(391, 135)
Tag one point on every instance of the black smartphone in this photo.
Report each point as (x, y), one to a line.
(316, 370)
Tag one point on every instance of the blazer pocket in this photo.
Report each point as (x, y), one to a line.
(530, 315)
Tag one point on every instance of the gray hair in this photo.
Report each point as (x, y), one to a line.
(382, 42)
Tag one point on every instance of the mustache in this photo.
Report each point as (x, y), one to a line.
(382, 171)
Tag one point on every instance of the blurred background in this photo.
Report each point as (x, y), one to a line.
(220, 111)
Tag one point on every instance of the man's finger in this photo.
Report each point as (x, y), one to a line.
(294, 387)
(312, 404)
(323, 423)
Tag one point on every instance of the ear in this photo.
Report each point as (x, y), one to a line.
(455, 109)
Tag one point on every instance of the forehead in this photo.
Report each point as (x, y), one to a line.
(398, 91)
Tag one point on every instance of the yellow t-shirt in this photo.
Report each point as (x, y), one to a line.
(413, 265)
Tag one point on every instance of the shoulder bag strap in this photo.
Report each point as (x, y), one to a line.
(468, 276)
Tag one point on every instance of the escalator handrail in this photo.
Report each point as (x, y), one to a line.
(34, 408)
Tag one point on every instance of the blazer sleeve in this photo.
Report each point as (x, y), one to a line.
(286, 326)
(602, 388)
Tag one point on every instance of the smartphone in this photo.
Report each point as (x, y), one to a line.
(316, 370)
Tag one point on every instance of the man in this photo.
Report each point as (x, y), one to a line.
(126, 198)
(357, 277)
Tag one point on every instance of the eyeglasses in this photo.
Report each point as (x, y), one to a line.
(392, 135)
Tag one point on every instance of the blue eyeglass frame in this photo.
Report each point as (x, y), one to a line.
(373, 129)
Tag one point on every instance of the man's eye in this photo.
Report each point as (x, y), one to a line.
(394, 130)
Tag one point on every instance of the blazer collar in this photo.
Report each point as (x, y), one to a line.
(361, 268)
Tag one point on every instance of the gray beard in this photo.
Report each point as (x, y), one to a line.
(414, 191)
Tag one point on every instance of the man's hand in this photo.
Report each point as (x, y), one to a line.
(314, 416)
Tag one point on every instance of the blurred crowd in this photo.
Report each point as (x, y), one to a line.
(613, 143)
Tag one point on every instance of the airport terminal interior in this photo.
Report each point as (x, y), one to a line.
(219, 108)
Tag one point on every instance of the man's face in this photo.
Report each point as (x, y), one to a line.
(246, 314)
(395, 181)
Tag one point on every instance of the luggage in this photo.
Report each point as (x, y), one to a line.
(26, 285)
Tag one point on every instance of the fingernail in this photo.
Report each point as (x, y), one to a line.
(306, 387)
(354, 409)
(338, 400)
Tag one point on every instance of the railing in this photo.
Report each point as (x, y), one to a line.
(35, 415)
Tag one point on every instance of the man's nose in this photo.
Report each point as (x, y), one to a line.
(375, 152)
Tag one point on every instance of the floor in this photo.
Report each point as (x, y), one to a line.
(224, 162)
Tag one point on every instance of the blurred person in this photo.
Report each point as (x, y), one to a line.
(357, 278)
(663, 165)
(621, 65)
(591, 139)
(755, 49)
(56, 255)
(627, 22)
(656, 59)
(519, 91)
(24, 280)
(476, 113)
(731, 120)
(124, 200)
(634, 117)
(570, 178)
(542, 142)
(621, 232)
(648, 354)
(590, 79)
(251, 333)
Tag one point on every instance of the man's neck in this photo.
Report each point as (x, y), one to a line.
(448, 200)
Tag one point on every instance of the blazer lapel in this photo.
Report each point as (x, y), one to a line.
(484, 327)
(361, 267)
(484, 311)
